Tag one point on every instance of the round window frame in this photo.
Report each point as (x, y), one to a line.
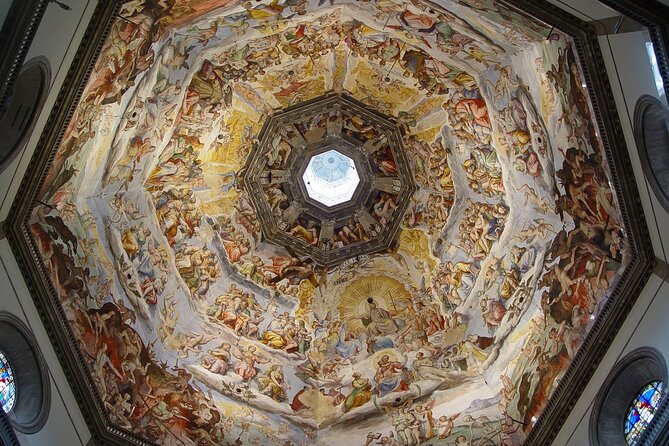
(622, 385)
(41, 64)
(643, 104)
(31, 377)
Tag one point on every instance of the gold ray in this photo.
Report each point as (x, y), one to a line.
(393, 355)
(388, 293)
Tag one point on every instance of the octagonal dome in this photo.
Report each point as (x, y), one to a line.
(315, 148)
(331, 178)
(202, 285)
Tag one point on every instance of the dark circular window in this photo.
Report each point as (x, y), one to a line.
(7, 384)
(628, 398)
(25, 380)
(651, 122)
(641, 412)
(30, 91)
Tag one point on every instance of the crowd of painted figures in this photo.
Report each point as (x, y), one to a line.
(196, 331)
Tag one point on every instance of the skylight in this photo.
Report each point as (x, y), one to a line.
(331, 178)
(659, 84)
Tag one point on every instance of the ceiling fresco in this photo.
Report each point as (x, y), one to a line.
(200, 329)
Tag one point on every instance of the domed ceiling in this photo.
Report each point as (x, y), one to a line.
(330, 180)
(330, 222)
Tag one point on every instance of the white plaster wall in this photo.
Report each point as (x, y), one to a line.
(57, 39)
(587, 10)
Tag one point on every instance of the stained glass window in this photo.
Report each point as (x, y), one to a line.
(641, 412)
(7, 384)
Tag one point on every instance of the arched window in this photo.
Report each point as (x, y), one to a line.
(628, 399)
(641, 411)
(651, 132)
(18, 120)
(25, 387)
(7, 384)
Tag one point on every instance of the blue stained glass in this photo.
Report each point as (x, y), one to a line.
(641, 412)
(7, 384)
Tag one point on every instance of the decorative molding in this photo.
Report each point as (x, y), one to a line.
(7, 434)
(17, 34)
(92, 442)
(573, 383)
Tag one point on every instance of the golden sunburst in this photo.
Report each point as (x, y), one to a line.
(393, 355)
(388, 293)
